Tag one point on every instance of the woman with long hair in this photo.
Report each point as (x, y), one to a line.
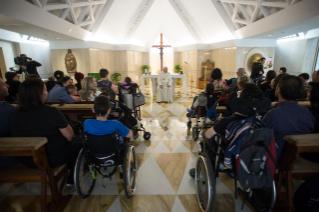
(89, 90)
(32, 118)
(265, 85)
(217, 80)
(105, 82)
(127, 81)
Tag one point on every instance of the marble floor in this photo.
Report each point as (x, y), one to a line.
(163, 183)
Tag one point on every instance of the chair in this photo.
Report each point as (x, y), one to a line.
(17, 173)
(294, 167)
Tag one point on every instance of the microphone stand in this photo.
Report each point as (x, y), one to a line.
(190, 68)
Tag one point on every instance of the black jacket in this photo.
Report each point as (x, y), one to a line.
(255, 69)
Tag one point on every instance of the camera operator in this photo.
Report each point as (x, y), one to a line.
(31, 66)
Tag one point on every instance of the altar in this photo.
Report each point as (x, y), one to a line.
(153, 77)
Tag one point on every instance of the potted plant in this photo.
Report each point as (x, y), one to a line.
(178, 70)
(145, 67)
(116, 77)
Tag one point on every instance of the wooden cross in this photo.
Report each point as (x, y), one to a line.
(161, 47)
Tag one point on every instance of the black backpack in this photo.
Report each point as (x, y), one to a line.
(256, 162)
(306, 197)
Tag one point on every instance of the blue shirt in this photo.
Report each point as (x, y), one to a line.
(96, 127)
(288, 118)
(59, 93)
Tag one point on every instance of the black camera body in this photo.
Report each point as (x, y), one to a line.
(22, 61)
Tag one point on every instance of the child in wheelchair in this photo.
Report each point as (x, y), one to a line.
(101, 125)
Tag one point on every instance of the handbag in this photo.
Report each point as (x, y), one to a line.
(139, 99)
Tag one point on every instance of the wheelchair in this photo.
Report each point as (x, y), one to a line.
(100, 153)
(204, 103)
(208, 167)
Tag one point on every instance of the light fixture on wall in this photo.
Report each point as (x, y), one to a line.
(297, 36)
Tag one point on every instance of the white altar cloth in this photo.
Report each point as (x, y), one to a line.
(153, 77)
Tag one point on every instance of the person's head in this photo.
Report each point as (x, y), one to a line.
(271, 74)
(78, 76)
(3, 89)
(274, 82)
(72, 89)
(242, 81)
(210, 88)
(252, 92)
(127, 80)
(217, 74)
(32, 93)
(240, 71)
(262, 60)
(304, 77)
(33, 76)
(315, 76)
(88, 86)
(51, 79)
(64, 81)
(313, 96)
(10, 75)
(101, 106)
(165, 69)
(23, 55)
(288, 88)
(58, 74)
(104, 73)
(282, 70)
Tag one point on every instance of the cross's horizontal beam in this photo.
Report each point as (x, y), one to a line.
(155, 46)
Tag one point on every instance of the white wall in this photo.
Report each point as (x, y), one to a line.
(9, 52)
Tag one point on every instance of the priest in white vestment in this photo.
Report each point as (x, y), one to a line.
(164, 90)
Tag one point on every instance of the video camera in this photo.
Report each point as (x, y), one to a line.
(21, 61)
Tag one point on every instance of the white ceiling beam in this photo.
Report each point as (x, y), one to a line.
(73, 16)
(56, 6)
(100, 15)
(187, 20)
(43, 2)
(240, 21)
(295, 1)
(274, 4)
(254, 15)
(98, 2)
(64, 13)
(82, 14)
(227, 9)
(289, 1)
(247, 2)
(92, 13)
(37, 3)
(84, 23)
(235, 12)
(244, 12)
(229, 1)
(81, 4)
(137, 19)
(264, 10)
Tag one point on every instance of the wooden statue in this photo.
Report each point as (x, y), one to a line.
(70, 62)
(205, 77)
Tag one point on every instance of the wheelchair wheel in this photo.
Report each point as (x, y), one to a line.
(189, 125)
(147, 136)
(84, 178)
(205, 181)
(195, 133)
(191, 173)
(130, 169)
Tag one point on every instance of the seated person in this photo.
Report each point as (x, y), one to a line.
(313, 97)
(78, 77)
(50, 83)
(211, 112)
(288, 117)
(270, 93)
(13, 81)
(240, 72)
(217, 80)
(127, 80)
(103, 126)
(304, 78)
(265, 85)
(282, 70)
(241, 82)
(59, 92)
(250, 91)
(58, 74)
(89, 90)
(105, 82)
(32, 118)
(5, 111)
(315, 76)
(72, 90)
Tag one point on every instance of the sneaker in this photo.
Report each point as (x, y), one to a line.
(190, 111)
(209, 121)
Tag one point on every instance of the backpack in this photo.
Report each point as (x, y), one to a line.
(306, 197)
(256, 160)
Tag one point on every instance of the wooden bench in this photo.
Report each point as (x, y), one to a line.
(295, 167)
(18, 173)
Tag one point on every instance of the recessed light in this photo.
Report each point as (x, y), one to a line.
(57, 38)
(70, 30)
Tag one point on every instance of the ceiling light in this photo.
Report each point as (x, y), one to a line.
(269, 35)
(57, 38)
(70, 30)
